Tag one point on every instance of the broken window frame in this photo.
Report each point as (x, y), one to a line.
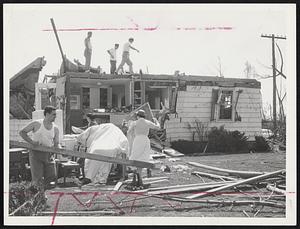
(216, 106)
(224, 94)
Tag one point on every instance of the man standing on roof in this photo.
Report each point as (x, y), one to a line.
(113, 58)
(45, 133)
(125, 56)
(88, 50)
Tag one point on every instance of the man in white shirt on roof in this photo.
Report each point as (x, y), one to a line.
(113, 58)
(88, 51)
(125, 56)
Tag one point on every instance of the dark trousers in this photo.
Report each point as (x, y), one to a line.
(113, 66)
(88, 57)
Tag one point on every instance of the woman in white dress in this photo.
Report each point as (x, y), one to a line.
(141, 150)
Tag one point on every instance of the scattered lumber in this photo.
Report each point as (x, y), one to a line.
(28, 204)
(147, 179)
(246, 181)
(243, 174)
(201, 187)
(118, 186)
(172, 152)
(274, 189)
(76, 130)
(81, 154)
(157, 156)
(222, 202)
(78, 213)
(213, 176)
(155, 181)
(183, 186)
(156, 145)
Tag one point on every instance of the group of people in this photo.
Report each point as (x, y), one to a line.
(44, 132)
(112, 53)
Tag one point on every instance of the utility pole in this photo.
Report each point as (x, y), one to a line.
(273, 37)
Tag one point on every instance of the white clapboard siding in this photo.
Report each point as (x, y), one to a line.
(200, 88)
(198, 94)
(248, 90)
(183, 110)
(195, 104)
(204, 115)
(248, 105)
(244, 120)
(178, 125)
(250, 115)
(193, 100)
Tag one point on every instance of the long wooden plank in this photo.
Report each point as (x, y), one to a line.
(244, 174)
(75, 153)
(178, 187)
(147, 179)
(187, 189)
(246, 181)
(213, 176)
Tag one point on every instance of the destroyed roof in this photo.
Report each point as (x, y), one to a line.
(188, 79)
(28, 76)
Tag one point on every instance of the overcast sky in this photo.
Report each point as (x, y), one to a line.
(209, 35)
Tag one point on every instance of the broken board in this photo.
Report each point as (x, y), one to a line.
(172, 152)
(76, 153)
(146, 108)
(77, 130)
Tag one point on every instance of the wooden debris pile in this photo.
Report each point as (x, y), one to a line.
(223, 187)
(22, 89)
(25, 199)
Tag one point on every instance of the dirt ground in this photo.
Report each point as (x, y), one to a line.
(126, 204)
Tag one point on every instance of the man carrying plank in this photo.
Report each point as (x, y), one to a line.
(45, 133)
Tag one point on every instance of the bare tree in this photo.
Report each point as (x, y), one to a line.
(250, 71)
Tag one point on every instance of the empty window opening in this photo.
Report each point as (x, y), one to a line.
(103, 97)
(226, 105)
(85, 98)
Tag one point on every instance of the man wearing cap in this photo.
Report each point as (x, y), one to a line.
(125, 56)
(113, 58)
(88, 50)
(141, 149)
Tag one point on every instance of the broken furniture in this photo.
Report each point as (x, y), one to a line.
(67, 169)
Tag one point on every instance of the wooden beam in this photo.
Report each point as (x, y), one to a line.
(201, 187)
(180, 187)
(246, 181)
(75, 153)
(213, 176)
(244, 174)
(277, 190)
(68, 109)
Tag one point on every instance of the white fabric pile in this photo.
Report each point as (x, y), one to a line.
(107, 140)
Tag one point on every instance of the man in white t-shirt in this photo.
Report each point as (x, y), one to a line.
(45, 133)
(113, 58)
(88, 51)
(125, 56)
